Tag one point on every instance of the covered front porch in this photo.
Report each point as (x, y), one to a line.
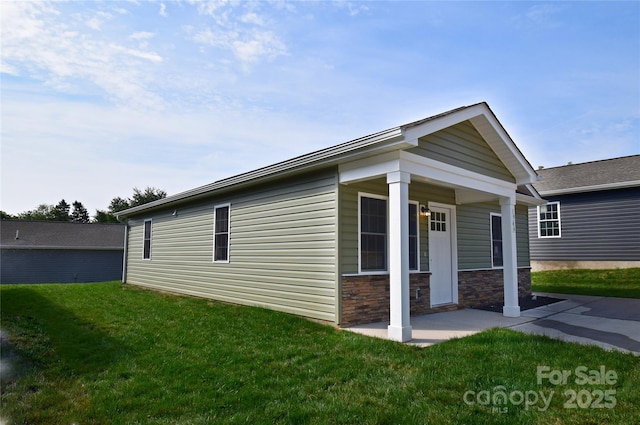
(494, 175)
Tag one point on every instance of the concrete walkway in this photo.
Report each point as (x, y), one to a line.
(611, 323)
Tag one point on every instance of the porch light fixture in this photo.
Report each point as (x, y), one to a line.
(424, 211)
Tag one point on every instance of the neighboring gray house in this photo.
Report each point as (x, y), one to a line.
(60, 252)
(592, 218)
(424, 217)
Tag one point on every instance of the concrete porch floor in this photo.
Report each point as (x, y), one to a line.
(610, 323)
(430, 329)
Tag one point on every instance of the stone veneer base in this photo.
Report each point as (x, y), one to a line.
(365, 298)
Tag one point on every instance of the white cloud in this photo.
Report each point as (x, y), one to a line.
(97, 20)
(252, 18)
(143, 38)
(262, 44)
(93, 153)
(5, 68)
(544, 15)
(142, 35)
(247, 46)
(136, 104)
(163, 10)
(219, 10)
(238, 30)
(37, 39)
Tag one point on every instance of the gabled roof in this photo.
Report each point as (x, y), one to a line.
(16, 234)
(396, 138)
(615, 173)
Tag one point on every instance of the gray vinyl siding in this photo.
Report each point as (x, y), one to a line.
(462, 146)
(282, 248)
(595, 226)
(474, 235)
(60, 265)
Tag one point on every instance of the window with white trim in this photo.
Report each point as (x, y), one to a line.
(496, 241)
(221, 220)
(373, 234)
(549, 220)
(146, 244)
(414, 239)
(374, 237)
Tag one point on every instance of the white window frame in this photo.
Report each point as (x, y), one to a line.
(559, 219)
(491, 215)
(417, 205)
(373, 196)
(215, 211)
(144, 239)
(386, 199)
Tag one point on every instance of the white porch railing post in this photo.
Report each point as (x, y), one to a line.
(509, 257)
(400, 326)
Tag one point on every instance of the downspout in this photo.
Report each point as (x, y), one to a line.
(126, 245)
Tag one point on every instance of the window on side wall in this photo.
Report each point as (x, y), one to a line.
(373, 234)
(413, 236)
(496, 240)
(549, 220)
(221, 233)
(146, 245)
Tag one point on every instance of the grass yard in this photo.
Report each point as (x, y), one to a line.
(609, 283)
(111, 354)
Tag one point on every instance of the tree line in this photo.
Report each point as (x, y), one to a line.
(77, 213)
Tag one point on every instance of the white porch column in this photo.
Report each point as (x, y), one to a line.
(400, 325)
(509, 257)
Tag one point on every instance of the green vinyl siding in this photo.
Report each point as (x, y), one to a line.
(418, 192)
(462, 146)
(522, 235)
(473, 226)
(474, 235)
(282, 248)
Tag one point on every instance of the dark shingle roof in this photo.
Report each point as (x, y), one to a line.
(589, 176)
(60, 235)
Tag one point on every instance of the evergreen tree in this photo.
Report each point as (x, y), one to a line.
(61, 211)
(79, 213)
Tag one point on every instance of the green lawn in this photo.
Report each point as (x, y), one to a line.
(104, 353)
(609, 283)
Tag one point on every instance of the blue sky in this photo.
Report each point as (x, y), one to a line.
(99, 97)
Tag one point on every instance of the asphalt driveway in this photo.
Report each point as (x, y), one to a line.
(611, 323)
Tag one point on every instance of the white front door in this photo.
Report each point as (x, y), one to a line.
(441, 255)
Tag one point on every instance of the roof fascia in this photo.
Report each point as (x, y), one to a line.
(593, 188)
(383, 141)
(414, 132)
(529, 201)
(64, 248)
(486, 123)
(503, 145)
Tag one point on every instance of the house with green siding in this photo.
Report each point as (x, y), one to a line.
(424, 217)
